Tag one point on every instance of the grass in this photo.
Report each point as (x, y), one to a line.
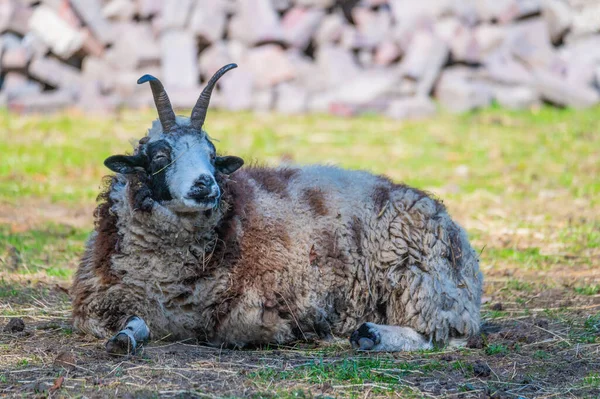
(52, 248)
(524, 184)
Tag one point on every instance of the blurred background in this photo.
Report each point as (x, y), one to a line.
(344, 57)
(490, 105)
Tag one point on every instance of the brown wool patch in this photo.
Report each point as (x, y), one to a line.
(272, 180)
(455, 247)
(356, 227)
(107, 237)
(316, 201)
(380, 196)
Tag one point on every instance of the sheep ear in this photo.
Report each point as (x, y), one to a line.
(228, 165)
(124, 164)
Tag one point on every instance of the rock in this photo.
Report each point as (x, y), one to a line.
(208, 20)
(480, 369)
(263, 100)
(255, 22)
(14, 325)
(282, 5)
(93, 99)
(581, 58)
(306, 71)
(148, 8)
(121, 10)
(15, 85)
(457, 92)
(558, 91)
(90, 12)
(501, 67)
(57, 34)
(98, 72)
(175, 14)
(15, 58)
(15, 17)
(299, 25)
(372, 26)
(213, 58)
(55, 73)
(7, 10)
(505, 11)
(178, 59)
(291, 99)
(330, 30)
(336, 66)
(476, 342)
(185, 98)
(91, 45)
(411, 16)
(586, 20)
(558, 16)
(386, 52)
(517, 97)
(366, 88)
(36, 46)
(237, 91)
(424, 60)
(316, 3)
(279, 70)
(411, 108)
(136, 48)
(320, 102)
(489, 38)
(529, 41)
(469, 44)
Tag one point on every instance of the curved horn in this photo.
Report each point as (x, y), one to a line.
(163, 105)
(201, 107)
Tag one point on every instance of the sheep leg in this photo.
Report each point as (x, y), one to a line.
(381, 338)
(126, 341)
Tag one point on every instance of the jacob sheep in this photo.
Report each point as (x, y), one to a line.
(189, 246)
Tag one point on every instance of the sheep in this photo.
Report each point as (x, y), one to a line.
(189, 245)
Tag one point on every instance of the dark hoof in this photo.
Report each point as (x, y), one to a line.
(366, 337)
(121, 344)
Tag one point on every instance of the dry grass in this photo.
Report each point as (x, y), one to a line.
(525, 185)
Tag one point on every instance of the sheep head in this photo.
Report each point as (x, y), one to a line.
(177, 155)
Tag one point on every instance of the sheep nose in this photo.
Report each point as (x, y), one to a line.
(201, 188)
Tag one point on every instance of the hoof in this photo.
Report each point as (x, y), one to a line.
(366, 337)
(123, 343)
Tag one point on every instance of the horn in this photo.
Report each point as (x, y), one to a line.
(163, 105)
(201, 107)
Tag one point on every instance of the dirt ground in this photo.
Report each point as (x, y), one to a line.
(539, 355)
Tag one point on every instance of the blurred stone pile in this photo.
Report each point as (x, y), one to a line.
(338, 56)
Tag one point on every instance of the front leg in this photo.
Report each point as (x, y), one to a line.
(132, 336)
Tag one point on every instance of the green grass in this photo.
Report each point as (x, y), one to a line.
(592, 380)
(53, 248)
(351, 371)
(593, 289)
(60, 157)
(496, 349)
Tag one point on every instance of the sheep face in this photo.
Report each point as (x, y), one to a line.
(178, 158)
(180, 165)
